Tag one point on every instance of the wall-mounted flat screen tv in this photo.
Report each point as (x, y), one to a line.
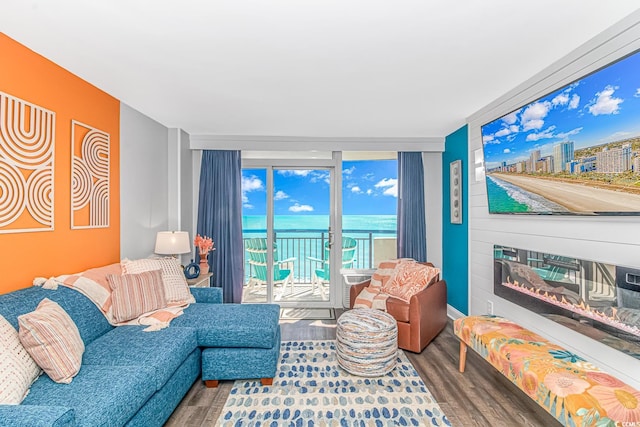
(575, 151)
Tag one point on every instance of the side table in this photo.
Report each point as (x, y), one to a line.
(202, 281)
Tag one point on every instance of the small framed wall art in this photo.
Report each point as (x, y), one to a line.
(455, 191)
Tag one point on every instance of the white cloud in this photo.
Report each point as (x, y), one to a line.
(503, 132)
(320, 176)
(506, 151)
(250, 183)
(301, 208)
(575, 101)
(248, 206)
(532, 117)
(280, 195)
(348, 171)
(356, 189)
(547, 133)
(561, 99)
(390, 185)
(507, 130)
(605, 103)
(637, 94)
(511, 118)
(617, 136)
(294, 172)
(489, 139)
(369, 191)
(564, 135)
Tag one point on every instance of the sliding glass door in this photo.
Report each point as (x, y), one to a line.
(288, 229)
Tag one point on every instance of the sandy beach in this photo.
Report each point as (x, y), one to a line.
(576, 197)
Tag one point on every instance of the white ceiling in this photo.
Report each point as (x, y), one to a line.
(345, 68)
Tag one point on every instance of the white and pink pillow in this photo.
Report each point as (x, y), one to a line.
(135, 294)
(176, 289)
(18, 370)
(53, 340)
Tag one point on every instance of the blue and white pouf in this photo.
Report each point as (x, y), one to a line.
(367, 342)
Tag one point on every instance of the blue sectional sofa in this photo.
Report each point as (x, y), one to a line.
(135, 378)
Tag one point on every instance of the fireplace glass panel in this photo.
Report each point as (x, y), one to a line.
(599, 300)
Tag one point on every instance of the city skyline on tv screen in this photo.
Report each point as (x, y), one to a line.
(573, 151)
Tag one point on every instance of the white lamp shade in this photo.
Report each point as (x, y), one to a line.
(172, 243)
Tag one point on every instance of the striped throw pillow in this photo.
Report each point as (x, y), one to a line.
(53, 340)
(18, 370)
(176, 288)
(136, 294)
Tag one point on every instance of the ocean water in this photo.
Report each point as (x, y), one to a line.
(303, 236)
(505, 197)
(380, 223)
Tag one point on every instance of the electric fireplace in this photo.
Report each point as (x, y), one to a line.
(596, 299)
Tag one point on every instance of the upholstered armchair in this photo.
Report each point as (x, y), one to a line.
(419, 321)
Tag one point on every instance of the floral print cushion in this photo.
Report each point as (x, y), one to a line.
(571, 389)
(409, 278)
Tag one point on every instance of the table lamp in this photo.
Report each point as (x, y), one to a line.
(172, 243)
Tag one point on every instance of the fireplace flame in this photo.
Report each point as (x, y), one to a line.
(580, 308)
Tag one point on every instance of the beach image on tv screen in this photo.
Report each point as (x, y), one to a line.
(574, 151)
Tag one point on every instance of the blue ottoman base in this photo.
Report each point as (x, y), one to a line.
(240, 363)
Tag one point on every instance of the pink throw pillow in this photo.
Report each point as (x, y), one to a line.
(53, 340)
(136, 294)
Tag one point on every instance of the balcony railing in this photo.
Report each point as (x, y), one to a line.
(302, 244)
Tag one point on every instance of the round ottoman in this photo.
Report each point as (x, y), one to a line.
(367, 342)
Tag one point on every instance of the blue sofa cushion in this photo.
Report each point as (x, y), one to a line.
(163, 350)
(36, 416)
(232, 325)
(99, 395)
(88, 318)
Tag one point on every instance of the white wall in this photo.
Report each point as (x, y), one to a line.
(433, 200)
(614, 240)
(144, 202)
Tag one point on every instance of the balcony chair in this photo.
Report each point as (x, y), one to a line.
(257, 250)
(419, 321)
(322, 276)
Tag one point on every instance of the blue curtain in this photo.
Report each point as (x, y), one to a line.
(412, 234)
(220, 217)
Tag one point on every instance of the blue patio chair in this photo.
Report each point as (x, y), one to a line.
(322, 275)
(257, 250)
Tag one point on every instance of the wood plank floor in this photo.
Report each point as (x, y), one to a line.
(479, 397)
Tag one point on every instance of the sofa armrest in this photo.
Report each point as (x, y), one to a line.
(37, 416)
(207, 295)
(428, 312)
(355, 291)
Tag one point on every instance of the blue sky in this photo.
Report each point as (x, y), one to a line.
(602, 107)
(370, 187)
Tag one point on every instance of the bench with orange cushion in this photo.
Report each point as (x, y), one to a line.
(571, 389)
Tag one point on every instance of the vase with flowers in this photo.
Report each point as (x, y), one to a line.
(204, 245)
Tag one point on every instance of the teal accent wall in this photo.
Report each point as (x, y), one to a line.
(455, 237)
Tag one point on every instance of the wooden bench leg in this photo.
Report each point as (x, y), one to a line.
(266, 381)
(211, 383)
(463, 356)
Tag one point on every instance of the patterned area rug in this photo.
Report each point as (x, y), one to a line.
(310, 389)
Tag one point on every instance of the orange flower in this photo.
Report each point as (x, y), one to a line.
(204, 244)
(621, 403)
(530, 383)
(562, 384)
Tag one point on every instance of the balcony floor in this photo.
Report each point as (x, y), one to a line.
(302, 292)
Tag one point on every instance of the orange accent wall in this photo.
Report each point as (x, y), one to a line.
(23, 256)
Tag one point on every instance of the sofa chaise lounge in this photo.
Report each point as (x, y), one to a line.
(136, 378)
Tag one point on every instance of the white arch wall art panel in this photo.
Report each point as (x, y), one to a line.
(90, 173)
(27, 147)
